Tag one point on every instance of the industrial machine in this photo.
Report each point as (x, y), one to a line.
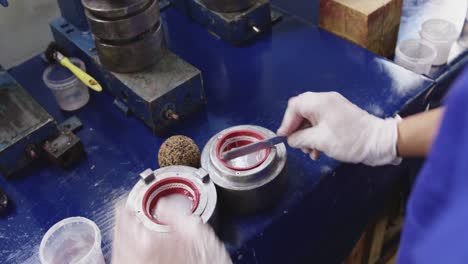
(234, 21)
(123, 45)
(27, 131)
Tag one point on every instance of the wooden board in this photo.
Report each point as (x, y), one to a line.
(372, 24)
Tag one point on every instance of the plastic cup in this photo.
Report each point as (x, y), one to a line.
(70, 93)
(463, 40)
(415, 55)
(74, 240)
(441, 34)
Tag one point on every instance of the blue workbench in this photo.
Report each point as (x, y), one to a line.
(327, 204)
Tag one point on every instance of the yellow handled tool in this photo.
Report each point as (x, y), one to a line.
(53, 54)
(79, 73)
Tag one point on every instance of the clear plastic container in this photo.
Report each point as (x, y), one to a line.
(415, 55)
(463, 40)
(441, 34)
(70, 93)
(74, 240)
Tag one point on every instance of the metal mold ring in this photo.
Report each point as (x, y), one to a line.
(193, 183)
(132, 56)
(111, 9)
(127, 27)
(256, 188)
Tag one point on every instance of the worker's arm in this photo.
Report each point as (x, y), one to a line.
(347, 133)
(416, 133)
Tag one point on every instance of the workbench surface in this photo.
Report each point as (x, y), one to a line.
(327, 204)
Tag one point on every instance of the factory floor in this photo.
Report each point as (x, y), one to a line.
(379, 242)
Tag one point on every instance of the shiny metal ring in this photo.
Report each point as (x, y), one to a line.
(246, 190)
(192, 182)
(125, 28)
(132, 56)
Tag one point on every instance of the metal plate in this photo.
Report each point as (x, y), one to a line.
(24, 124)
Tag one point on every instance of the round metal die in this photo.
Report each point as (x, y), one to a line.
(111, 9)
(228, 5)
(195, 182)
(249, 190)
(132, 56)
(125, 28)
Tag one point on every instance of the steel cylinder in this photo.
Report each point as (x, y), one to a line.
(228, 6)
(128, 34)
(192, 183)
(133, 56)
(246, 184)
(126, 27)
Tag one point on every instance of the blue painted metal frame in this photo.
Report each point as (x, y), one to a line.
(73, 12)
(235, 28)
(327, 204)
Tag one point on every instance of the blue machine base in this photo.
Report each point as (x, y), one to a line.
(237, 27)
(171, 85)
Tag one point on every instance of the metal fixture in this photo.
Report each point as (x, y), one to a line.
(228, 5)
(193, 183)
(64, 149)
(128, 55)
(236, 21)
(249, 183)
(25, 127)
(128, 34)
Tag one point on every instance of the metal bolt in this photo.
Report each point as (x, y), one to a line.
(32, 154)
(170, 114)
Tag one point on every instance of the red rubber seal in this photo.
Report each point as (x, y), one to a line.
(159, 184)
(240, 143)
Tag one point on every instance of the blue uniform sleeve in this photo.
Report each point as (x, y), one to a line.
(436, 222)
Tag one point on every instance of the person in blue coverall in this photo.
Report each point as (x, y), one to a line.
(436, 222)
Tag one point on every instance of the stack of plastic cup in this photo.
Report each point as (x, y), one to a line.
(70, 93)
(441, 34)
(415, 55)
(73, 240)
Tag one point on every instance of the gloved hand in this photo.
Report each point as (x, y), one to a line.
(190, 242)
(340, 129)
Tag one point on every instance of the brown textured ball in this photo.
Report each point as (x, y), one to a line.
(179, 150)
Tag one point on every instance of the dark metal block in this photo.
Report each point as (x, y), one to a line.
(161, 95)
(71, 124)
(24, 125)
(234, 27)
(64, 149)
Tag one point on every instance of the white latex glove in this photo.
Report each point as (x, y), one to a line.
(340, 129)
(191, 242)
